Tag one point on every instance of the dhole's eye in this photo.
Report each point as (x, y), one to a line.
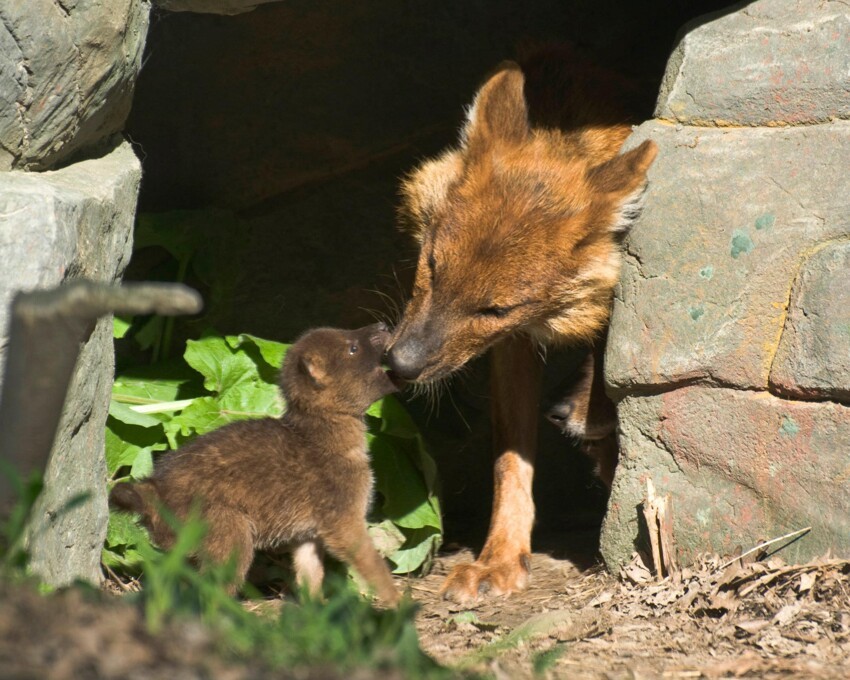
(494, 311)
(353, 348)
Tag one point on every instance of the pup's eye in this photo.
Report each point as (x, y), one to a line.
(494, 311)
(353, 348)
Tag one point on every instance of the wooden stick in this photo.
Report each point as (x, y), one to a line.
(797, 534)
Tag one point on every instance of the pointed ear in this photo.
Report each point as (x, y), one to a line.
(313, 366)
(622, 180)
(499, 111)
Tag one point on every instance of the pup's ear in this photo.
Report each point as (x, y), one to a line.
(622, 180)
(313, 366)
(499, 111)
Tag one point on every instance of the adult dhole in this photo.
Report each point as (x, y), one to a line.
(519, 230)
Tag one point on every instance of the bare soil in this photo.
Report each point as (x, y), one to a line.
(763, 620)
(758, 620)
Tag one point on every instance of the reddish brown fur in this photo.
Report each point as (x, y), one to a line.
(519, 230)
(301, 481)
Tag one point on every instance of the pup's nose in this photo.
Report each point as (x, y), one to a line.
(407, 359)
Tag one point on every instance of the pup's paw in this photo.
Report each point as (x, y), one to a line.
(467, 582)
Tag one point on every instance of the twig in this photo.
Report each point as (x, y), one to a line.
(658, 514)
(793, 534)
(116, 579)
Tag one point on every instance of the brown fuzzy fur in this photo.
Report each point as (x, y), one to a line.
(301, 481)
(519, 232)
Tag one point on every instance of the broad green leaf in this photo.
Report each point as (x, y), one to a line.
(387, 537)
(202, 416)
(418, 550)
(221, 366)
(124, 442)
(394, 419)
(406, 499)
(127, 415)
(120, 326)
(241, 402)
(164, 382)
(150, 332)
(124, 536)
(142, 465)
(271, 351)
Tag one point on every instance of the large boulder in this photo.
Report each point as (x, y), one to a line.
(813, 359)
(730, 334)
(780, 62)
(56, 226)
(730, 217)
(67, 71)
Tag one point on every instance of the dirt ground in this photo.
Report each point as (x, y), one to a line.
(758, 620)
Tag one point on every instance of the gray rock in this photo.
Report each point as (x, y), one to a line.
(813, 360)
(734, 285)
(56, 226)
(729, 217)
(67, 71)
(774, 62)
(228, 7)
(741, 467)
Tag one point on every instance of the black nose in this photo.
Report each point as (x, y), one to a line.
(407, 359)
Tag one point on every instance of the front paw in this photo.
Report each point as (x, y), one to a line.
(467, 582)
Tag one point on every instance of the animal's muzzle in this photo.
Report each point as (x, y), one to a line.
(407, 358)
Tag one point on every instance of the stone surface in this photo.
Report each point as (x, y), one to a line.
(67, 71)
(731, 317)
(56, 226)
(741, 466)
(228, 7)
(813, 360)
(774, 62)
(729, 217)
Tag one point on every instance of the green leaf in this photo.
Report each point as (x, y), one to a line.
(387, 537)
(271, 351)
(241, 402)
(120, 326)
(143, 464)
(150, 332)
(221, 366)
(394, 419)
(406, 498)
(417, 551)
(163, 382)
(124, 536)
(127, 415)
(125, 442)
